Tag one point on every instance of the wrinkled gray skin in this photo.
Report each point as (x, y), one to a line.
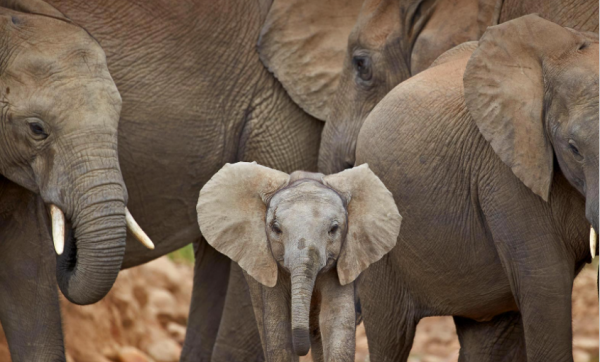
(60, 112)
(58, 145)
(27, 260)
(195, 96)
(396, 39)
(477, 243)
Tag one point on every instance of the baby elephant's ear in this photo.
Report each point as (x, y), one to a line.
(231, 214)
(373, 220)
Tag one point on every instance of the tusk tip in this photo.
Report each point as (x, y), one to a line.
(593, 242)
(58, 228)
(137, 231)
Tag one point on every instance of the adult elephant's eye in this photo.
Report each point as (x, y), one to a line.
(574, 150)
(362, 65)
(38, 130)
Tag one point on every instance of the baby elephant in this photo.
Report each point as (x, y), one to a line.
(305, 238)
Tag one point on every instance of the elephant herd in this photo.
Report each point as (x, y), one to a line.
(478, 120)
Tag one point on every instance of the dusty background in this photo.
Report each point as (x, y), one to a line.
(143, 320)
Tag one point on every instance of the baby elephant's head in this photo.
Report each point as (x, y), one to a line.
(306, 223)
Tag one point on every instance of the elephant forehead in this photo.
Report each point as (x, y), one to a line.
(40, 63)
(45, 47)
(304, 195)
(308, 204)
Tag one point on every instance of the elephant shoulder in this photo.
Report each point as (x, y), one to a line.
(415, 110)
(431, 91)
(462, 51)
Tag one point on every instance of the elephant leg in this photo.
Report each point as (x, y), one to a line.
(238, 338)
(316, 340)
(273, 318)
(29, 307)
(542, 282)
(316, 345)
(211, 275)
(391, 347)
(499, 340)
(388, 312)
(539, 268)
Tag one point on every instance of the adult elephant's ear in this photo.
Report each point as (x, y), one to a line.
(38, 7)
(504, 92)
(373, 220)
(303, 43)
(442, 25)
(231, 214)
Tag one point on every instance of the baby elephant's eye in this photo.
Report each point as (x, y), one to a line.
(276, 229)
(333, 229)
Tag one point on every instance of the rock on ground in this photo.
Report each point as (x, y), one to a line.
(143, 319)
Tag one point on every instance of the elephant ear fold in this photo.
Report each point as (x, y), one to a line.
(504, 93)
(232, 212)
(452, 23)
(373, 220)
(303, 43)
(38, 7)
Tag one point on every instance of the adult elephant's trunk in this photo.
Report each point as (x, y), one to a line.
(94, 248)
(303, 276)
(93, 198)
(338, 147)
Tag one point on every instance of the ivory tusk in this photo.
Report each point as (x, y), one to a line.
(593, 241)
(58, 228)
(137, 231)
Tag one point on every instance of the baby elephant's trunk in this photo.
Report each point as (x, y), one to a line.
(304, 274)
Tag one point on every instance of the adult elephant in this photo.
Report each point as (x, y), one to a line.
(195, 96)
(390, 41)
(58, 153)
(492, 156)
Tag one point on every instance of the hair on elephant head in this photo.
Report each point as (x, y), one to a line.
(532, 88)
(58, 138)
(302, 224)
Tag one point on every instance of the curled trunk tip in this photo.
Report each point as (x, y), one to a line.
(301, 341)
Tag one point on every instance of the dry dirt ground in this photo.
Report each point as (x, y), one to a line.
(143, 320)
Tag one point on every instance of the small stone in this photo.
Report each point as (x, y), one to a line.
(166, 350)
(581, 356)
(163, 305)
(176, 331)
(163, 273)
(430, 358)
(132, 354)
(109, 352)
(586, 344)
